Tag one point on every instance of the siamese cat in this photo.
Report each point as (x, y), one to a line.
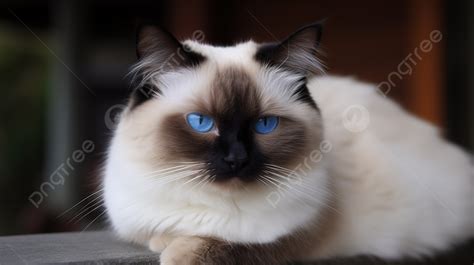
(250, 154)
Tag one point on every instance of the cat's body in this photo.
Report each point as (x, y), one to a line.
(351, 173)
(401, 188)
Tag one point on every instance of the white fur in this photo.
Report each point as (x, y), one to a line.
(139, 208)
(400, 188)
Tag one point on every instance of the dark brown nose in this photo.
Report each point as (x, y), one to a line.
(237, 157)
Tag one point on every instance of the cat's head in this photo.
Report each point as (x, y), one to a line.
(225, 114)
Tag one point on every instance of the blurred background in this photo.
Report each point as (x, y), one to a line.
(63, 67)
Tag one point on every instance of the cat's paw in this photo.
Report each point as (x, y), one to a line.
(159, 243)
(183, 251)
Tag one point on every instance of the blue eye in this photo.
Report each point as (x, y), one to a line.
(266, 125)
(199, 122)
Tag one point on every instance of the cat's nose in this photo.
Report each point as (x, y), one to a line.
(237, 157)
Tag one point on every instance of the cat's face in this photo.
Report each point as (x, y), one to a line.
(231, 114)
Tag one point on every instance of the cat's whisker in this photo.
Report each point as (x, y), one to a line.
(323, 189)
(271, 181)
(290, 174)
(296, 184)
(190, 162)
(167, 170)
(200, 173)
(206, 180)
(285, 177)
(91, 211)
(304, 193)
(175, 177)
(95, 219)
(210, 179)
(300, 183)
(85, 211)
(80, 202)
(262, 180)
(287, 188)
(164, 178)
(89, 205)
(202, 179)
(280, 168)
(192, 179)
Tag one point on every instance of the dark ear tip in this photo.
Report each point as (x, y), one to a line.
(142, 24)
(142, 28)
(149, 30)
(316, 28)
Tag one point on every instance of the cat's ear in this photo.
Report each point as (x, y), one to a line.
(158, 52)
(165, 49)
(298, 52)
(152, 39)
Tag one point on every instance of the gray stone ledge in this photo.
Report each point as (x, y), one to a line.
(72, 248)
(102, 247)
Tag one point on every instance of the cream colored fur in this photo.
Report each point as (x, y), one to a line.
(398, 187)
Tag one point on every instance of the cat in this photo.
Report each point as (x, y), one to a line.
(251, 154)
